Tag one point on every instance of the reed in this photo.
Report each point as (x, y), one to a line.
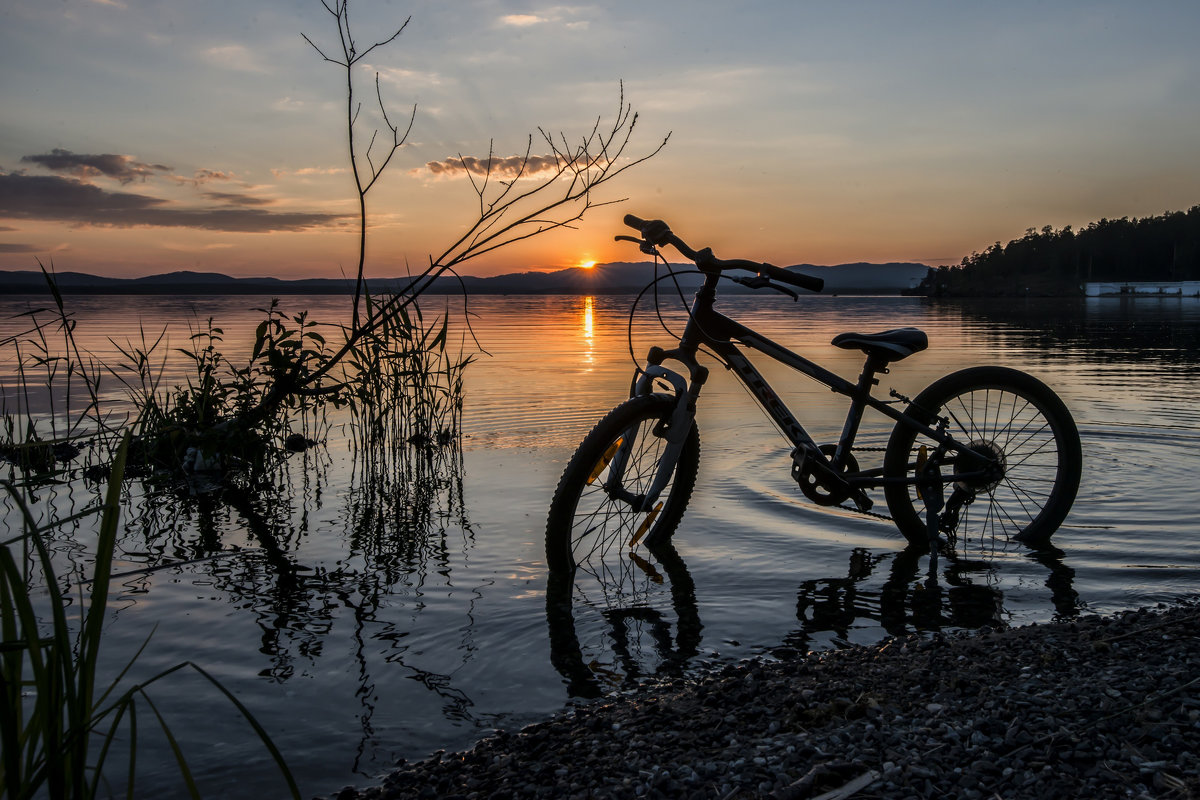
(57, 724)
(42, 424)
(59, 730)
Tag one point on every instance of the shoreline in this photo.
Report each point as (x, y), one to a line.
(1097, 707)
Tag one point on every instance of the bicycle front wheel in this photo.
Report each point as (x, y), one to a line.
(590, 525)
(1017, 421)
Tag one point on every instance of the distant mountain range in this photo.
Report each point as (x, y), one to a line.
(614, 278)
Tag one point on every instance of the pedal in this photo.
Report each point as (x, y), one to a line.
(799, 456)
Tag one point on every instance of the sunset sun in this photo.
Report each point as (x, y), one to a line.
(586, 264)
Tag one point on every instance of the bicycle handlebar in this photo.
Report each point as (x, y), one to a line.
(658, 233)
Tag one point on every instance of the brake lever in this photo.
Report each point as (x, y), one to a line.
(643, 245)
(762, 282)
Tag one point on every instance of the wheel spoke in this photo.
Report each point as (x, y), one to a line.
(596, 518)
(1027, 433)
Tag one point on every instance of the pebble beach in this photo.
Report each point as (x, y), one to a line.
(1098, 707)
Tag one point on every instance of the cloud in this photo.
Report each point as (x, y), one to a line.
(408, 78)
(206, 175)
(504, 168)
(288, 104)
(304, 172)
(195, 248)
(238, 199)
(202, 176)
(557, 15)
(522, 20)
(123, 168)
(234, 56)
(49, 197)
(17, 248)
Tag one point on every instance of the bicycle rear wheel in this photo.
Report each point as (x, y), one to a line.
(1020, 423)
(590, 528)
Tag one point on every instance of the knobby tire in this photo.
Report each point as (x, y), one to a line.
(1018, 419)
(589, 529)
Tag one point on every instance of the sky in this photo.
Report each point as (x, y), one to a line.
(148, 136)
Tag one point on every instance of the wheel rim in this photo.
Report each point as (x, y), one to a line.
(1023, 443)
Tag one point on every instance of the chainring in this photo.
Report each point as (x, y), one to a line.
(813, 488)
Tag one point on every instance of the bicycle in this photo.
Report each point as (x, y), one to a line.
(986, 451)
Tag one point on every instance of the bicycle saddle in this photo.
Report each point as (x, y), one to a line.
(890, 345)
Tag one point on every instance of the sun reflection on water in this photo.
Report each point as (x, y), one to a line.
(280, 601)
(589, 356)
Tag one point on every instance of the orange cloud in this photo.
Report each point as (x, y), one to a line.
(521, 20)
(508, 168)
(305, 171)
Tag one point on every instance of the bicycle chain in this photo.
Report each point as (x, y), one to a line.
(856, 509)
(876, 515)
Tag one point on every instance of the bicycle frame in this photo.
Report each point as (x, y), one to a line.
(708, 327)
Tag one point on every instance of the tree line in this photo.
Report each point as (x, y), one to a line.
(1059, 262)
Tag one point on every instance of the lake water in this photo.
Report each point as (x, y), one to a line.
(360, 631)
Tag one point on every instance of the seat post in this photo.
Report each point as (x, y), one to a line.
(858, 403)
(874, 364)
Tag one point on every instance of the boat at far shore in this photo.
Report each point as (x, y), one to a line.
(1142, 289)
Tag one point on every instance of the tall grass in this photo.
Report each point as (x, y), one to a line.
(406, 382)
(60, 731)
(406, 425)
(41, 422)
(57, 725)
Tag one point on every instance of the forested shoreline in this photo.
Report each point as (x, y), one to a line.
(1059, 262)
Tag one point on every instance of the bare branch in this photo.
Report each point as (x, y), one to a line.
(370, 163)
(397, 140)
(511, 209)
(322, 52)
(384, 41)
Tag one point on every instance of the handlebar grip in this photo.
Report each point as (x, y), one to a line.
(794, 278)
(637, 223)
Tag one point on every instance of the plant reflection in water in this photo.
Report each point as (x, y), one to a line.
(403, 504)
(613, 629)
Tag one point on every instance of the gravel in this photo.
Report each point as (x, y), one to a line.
(1100, 707)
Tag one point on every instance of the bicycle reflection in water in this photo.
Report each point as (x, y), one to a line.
(613, 627)
(964, 598)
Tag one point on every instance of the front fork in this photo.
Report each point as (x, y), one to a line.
(678, 426)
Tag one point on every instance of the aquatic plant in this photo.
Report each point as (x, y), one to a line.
(396, 372)
(58, 724)
(227, 415)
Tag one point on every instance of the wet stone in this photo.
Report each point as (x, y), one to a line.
(1078, 710)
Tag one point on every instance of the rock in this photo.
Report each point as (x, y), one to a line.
(1041, 711)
